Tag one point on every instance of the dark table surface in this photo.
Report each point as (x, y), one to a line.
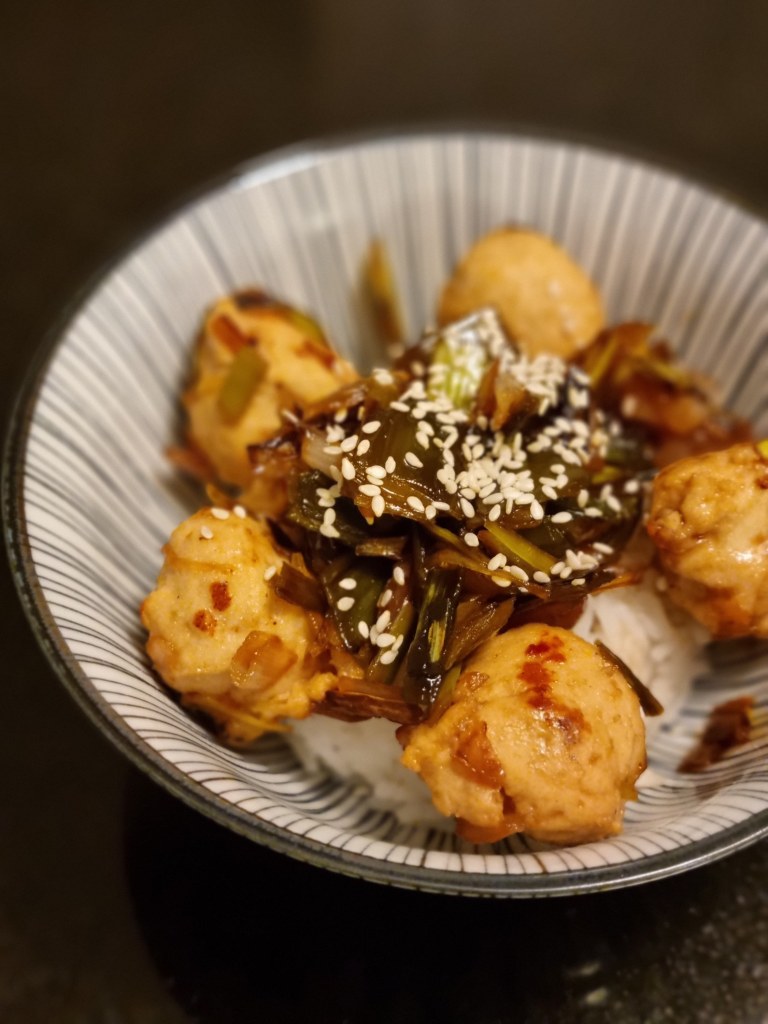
(118, 904)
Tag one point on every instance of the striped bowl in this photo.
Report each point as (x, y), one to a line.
(90, 498)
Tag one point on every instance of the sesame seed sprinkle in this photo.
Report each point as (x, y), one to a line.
(415, 503)
(371, 426)
(362, 629)
(398, 575)
(206, 532)
(363, 447)
(387, 657)
(269, 572)
(413, 460)
(378, 506)
(385, 639)
(347, 469)
(239, 511)
(220, 513)
(471, 540)
(345, 604)
(348, 583)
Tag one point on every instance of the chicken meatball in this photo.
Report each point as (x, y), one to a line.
(254, 359)
(545, 300)
(543, 736)
(220, 635)
(709, 522)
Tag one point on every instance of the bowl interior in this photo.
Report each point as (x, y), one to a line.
(95, 498)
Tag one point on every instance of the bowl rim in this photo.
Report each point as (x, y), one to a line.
(274, 164)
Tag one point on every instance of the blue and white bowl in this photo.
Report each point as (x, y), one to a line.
(90, 497)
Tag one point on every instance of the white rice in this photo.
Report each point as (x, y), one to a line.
(660, 644)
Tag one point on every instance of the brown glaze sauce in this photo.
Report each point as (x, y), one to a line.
(538, 678)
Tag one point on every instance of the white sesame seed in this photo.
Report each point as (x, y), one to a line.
(347, 469)
(500, 581)
(348, 583)
(206, 532)
(565, 573)
(378, 506)
(494, 514)
(371, 426)
(467, 508)
(400, 406)
(549, 492)
(518, 573)
(541, 577)
(605, 549)
(376, 471)
(562, 517)
(239, 511)
(383, 376)
(536, 510)
(631, 487)
(557, 568)
(390, 465)
(578, 582)
(413, 460)
(335, 472)
(363, 447)
(398, 575)
(592, 512)
(329, 516)
(613, 503)
(430, 512)
(384, 598)
(583, 497)
(349, 443)
(387, 657)
(471, 540)
(220, 513)
(415, 503)
(497, 561)
(383, 621)
(344, 604)
(362, 629)
(451, 486)
(369, 490)
(385, 639)
(332, 449)
(423, 439)
(340, 416)
(328, 530)
(269, 572)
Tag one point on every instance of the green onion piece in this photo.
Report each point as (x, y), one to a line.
(369, 576)
(516, 547)
(307, 325)
(378, 671)
(475, 623)
(295, 587)
(304, 511)
(445, 693)
(648, 702)
(457, 368)
(244, 376)
(425, 662)
(379, 282)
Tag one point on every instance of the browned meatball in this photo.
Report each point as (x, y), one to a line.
(291, 368)
(219, 634)
(709, 522)
(545, 300)
(543, 736)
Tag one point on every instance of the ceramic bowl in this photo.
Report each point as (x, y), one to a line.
(90, 498)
